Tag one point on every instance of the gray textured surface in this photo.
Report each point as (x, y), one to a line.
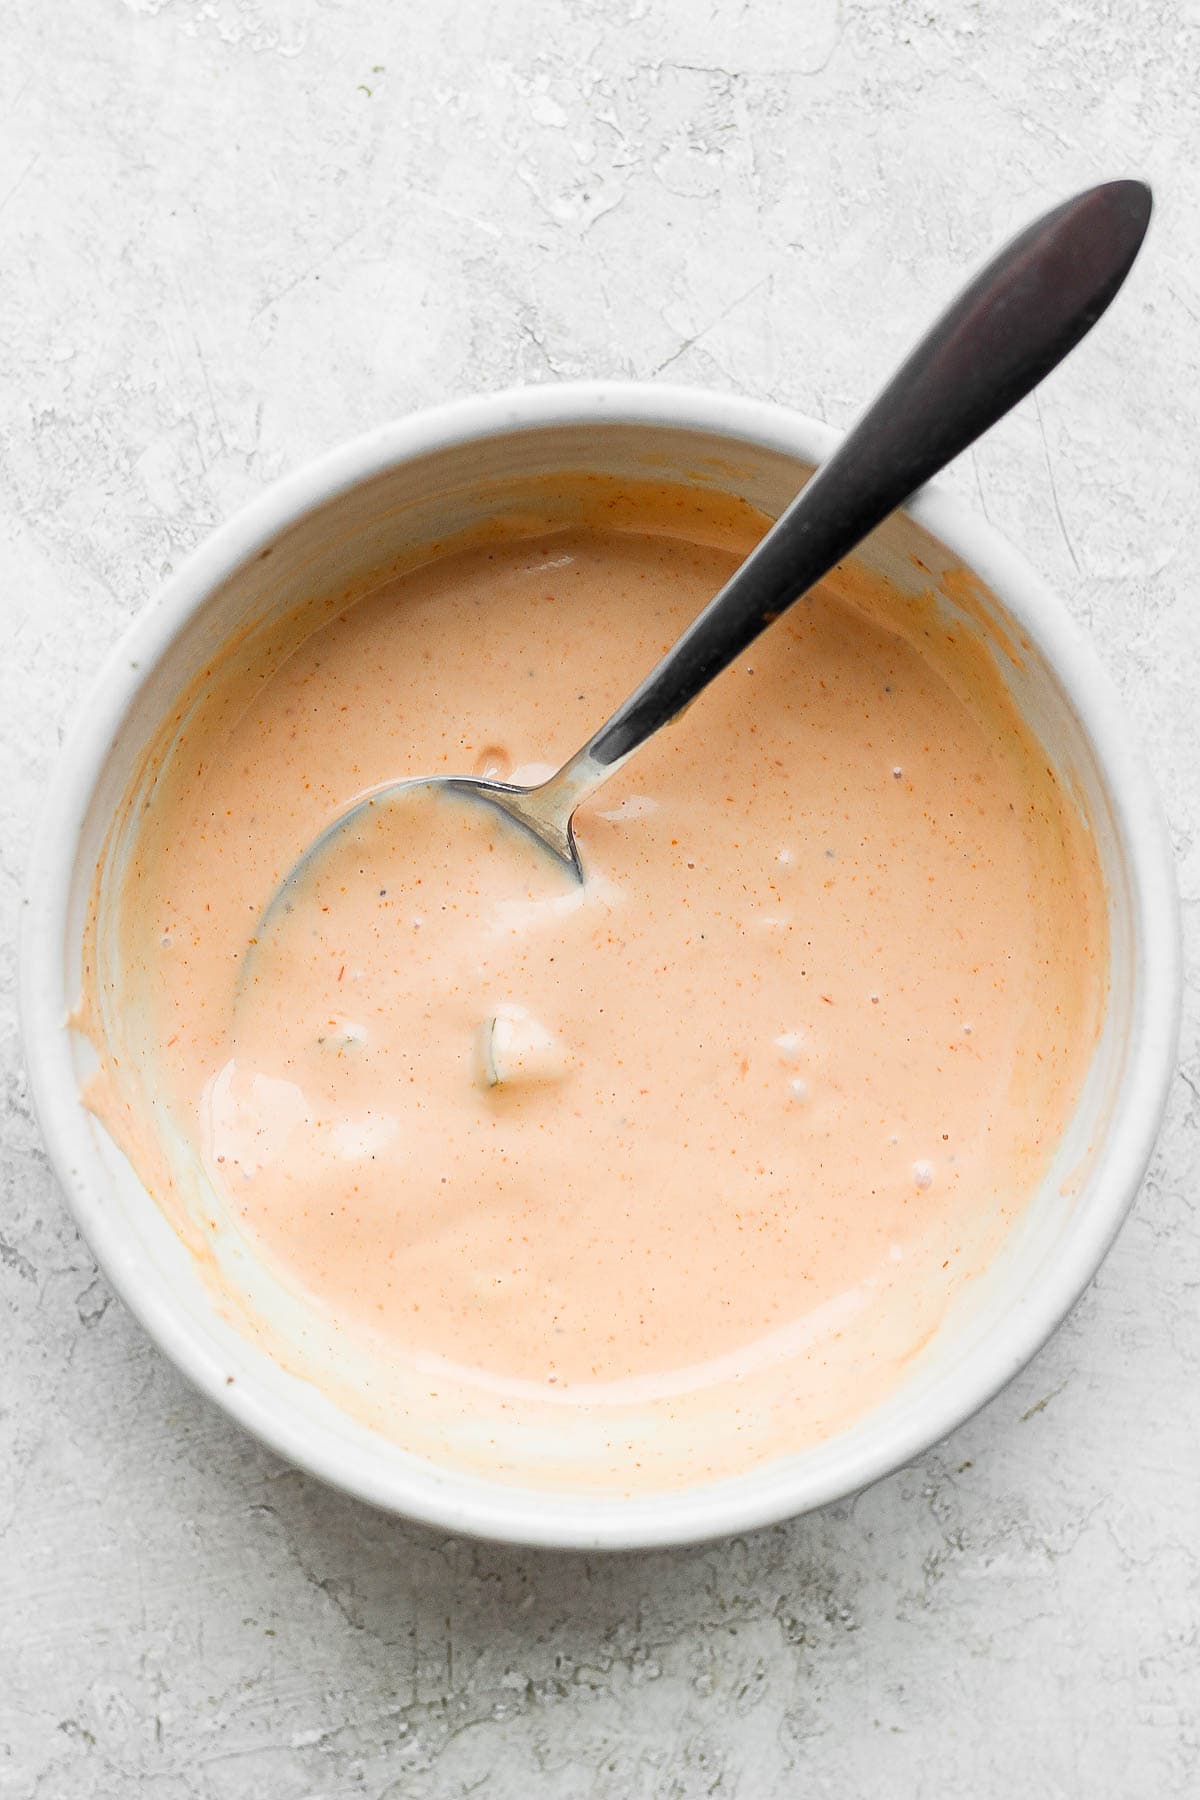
(233, 233)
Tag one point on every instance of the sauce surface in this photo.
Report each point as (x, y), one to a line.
(766, 1090)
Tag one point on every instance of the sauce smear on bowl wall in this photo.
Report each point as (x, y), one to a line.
(737, 1116)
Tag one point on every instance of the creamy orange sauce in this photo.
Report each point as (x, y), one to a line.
(761, 1095)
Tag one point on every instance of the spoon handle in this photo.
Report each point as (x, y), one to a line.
(1016, 320)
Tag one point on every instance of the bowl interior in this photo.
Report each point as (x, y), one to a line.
(343, 542)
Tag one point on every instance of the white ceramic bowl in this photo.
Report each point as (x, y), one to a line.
(424, 475)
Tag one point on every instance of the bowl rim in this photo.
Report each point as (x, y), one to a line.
(442, 1497)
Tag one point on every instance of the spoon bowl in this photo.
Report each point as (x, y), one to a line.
(530, 811)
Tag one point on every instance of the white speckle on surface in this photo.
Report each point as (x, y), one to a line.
(633, 806)
(922, 1174)
(348, 1034)
(358, 1139)
(234, 234)
(545, 111)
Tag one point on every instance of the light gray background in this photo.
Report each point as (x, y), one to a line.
(232, 234)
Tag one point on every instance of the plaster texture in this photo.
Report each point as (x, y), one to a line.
(234, 233)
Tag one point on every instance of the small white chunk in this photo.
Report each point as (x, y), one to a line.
(516, 1048)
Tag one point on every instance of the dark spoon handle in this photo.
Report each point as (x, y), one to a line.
(1008, 329)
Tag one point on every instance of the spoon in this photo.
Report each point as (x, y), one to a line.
(1018, 318)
